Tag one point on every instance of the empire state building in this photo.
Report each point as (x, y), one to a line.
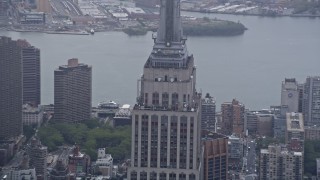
(166, 118)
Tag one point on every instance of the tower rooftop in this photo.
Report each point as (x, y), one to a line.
(169, 50)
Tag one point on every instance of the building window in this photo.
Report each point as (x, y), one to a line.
(145, 98)
(165, 99)
(143, 176)
(155, 99)
(153, 176)
(154, 141)
(144, 140)
(172, 176)
(175, 100)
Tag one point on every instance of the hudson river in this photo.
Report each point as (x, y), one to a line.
(249, 67)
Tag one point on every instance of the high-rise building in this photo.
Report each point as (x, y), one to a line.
(72, 92)
(208, 113)
(215, 159)
(290, 95)
(311, 98)
(294, 136)
(235, 152)
(31, 73)
(233, 116)
(166, 119)
(10, 89)
(277, 162)
(38, 158)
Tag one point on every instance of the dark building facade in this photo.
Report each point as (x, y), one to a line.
(208, 113)
(31, 73)
(10, 89)
(72, 92)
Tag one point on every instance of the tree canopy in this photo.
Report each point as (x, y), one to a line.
(90, 136)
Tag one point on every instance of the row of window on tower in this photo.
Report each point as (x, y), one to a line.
(162, 176)
(165, 99)
(168, 141)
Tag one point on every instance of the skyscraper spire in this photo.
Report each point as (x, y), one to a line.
(170, 22)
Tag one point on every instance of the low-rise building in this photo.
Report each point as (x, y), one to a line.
(32, 115)
(32, 17)
(104, 163)
(123, 116)
(16, 174)
(78, 163)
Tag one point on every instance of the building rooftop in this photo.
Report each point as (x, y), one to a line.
(295, 122)
(208, 135)
(27, 108)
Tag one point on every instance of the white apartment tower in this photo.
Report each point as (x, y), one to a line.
(290, 95)
(166, 118)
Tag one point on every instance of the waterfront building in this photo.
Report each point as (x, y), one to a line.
(43, 6)
(290, 95)
(208, 113)
(294, 136)
(32, 115)
(233, 117)
(10, 88)
(311, 101)
(27, 17)
(215, 159)
(38, 158)
(72, 92)
(31, 73)
(166, 119)
(277, 162)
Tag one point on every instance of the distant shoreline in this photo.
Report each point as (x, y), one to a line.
(261, 15)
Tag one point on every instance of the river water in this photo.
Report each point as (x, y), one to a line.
(249, 67)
